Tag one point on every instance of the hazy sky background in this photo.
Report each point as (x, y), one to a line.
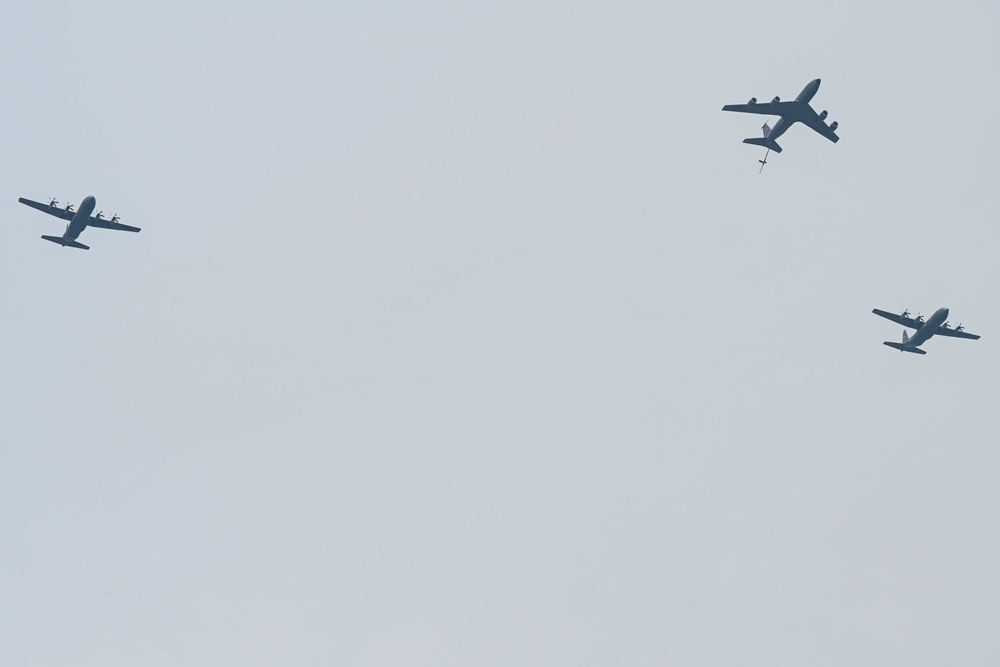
(468, 334)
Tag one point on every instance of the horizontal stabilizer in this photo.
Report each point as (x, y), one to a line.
(765, 142)
(66, 242)
(904, 348)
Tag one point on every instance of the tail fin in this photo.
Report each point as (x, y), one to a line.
(766, 128)
(906, 337)
(765, 142)
(905, 348)
(66, 242)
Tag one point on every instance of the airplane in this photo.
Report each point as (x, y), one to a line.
(797, 111)
(936, 325)
(78, 220)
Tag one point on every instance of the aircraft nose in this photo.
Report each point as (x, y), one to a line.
(816, 82)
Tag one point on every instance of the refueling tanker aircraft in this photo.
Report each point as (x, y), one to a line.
(797, 111)
(936, 325)
(78, 220)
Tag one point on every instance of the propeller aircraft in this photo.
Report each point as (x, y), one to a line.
(937, 325)
(76, 221)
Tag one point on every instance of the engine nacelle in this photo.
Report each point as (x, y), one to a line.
(834, 125)
(753, 101)
(775, 100)
(823, 114)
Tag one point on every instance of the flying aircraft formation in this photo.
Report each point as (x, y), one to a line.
(799, 111)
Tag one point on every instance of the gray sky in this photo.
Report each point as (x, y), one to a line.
(468, 334)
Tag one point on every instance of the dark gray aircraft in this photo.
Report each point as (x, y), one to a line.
(937, 325)
(78, 220)
(797, 111)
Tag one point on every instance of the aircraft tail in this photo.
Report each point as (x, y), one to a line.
(66, 242)
(765, 142)
(904, 348)
(906, 337)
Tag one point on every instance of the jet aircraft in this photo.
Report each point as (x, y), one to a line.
(78, 220)
(936, 325)
(797, 111)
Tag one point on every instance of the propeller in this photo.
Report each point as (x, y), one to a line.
(53, 203)
(945, 325)
(69, 208)
(920, 318)
(959, 327)
(906, 313)
(100, 214)
(114, 218)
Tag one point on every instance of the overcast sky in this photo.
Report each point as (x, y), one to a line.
(468, 334)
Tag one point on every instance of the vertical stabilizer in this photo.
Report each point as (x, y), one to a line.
(767, 129)
(906, 338)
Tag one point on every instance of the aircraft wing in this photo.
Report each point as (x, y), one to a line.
(45, 208)
(763, 108)
(956, 334)
(898, 319)
(811, 119)
(107, 224)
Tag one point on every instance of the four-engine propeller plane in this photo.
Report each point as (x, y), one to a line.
(797, 111)
(77, 220)
(936, 325)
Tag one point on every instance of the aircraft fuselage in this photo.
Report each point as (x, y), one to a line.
(789, 119)
(79, 221)
(930, 327)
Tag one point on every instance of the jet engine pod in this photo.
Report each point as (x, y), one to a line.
(775, 100)
(823, 114)
(834, 125)
(753, 101)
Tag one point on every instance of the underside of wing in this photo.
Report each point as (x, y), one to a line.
(956, 334)
(48, 208)
(763, 108)
(811, 119)
(898, 319)
(107, 224)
